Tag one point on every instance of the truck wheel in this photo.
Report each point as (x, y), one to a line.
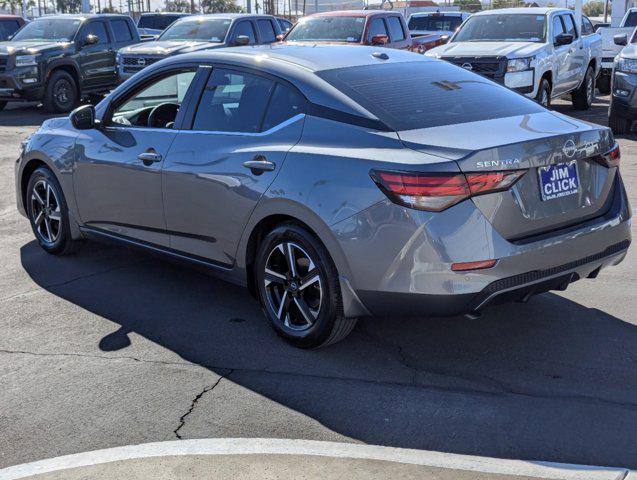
(2, 105)
(584, 96)
(544, 94)
(61, 93)
(618, 124)
(603, 84)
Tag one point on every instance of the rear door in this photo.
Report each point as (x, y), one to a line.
(398, 34)
(122, 33)
(218, 169)
(97, 62)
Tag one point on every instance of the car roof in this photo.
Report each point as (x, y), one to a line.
(352, 13)
(435, 14)
(523, 10)
(171, 14)
(83, 16)
(228, 16)
(6, 16)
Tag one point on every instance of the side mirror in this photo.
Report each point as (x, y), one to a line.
(280, 37)
(242, 40)
(379, 39)
(9, 37)
(563, 39)
(91, 40)
(621, 39)
(83, 118)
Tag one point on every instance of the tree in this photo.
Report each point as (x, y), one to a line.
(69, 6)
(177, 5)
(507, 3)
(15, 6)
(594, 9)
(471, 6)
(219, 6)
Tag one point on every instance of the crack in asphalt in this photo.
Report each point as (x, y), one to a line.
(193, 404)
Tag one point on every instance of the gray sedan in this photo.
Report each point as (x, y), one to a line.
(335, 182)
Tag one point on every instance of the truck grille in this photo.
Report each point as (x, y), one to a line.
(490, 67)
(608, 59)
(135, 64)
(3, 63)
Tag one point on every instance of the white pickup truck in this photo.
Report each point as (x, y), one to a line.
(538, 52)
(610, 49)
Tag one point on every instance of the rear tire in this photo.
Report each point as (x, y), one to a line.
(2, 105)
(603, 84)
(298, 288)
(584, 96)
(618, 124)
(48, 213)
(61, 94)
(543, 96)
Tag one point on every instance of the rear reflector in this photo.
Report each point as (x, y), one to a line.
(461, 267)
(438, 191)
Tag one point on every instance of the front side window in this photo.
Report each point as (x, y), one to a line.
(569, 23)
(233, 101)
(245, 29)
(165, 94)
(558, 27)
(49, 29)
(502, 28)
(447, 94)
(99, 30)
(631, 20)
(121, 30)
(395, 29)
(327, 29)
(202, 29)
(376, 27)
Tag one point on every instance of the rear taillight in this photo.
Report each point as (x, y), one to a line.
(614, 156)
(438, 191)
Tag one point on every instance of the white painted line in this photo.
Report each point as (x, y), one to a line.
(262, 446)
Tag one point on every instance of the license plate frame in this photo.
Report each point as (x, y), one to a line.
(558, 180)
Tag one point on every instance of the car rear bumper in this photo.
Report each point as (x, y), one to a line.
(400, 259)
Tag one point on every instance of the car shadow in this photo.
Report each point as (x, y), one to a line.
(23, 115)
(550, 380)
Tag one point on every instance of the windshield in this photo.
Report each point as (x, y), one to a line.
(50, 30)
(435, 23)
(503, 28)
(205, 30)
(327, 29)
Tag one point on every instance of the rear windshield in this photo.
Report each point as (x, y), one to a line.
(503, 28)
(327, 29)
(423, 94)
(205, 30)
(435, 23)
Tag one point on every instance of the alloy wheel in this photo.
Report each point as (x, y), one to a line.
(590, 89)
(293, 286)
(45, 212)
(544, 100)
(61, 91)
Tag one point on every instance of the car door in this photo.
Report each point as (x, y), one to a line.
(117, 178)
(577, 63)
(97, 61)
(561, 61)
(397, 36)
(218, 170)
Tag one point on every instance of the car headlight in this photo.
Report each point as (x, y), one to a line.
(25, 60)
(519, 64)
(626, 65)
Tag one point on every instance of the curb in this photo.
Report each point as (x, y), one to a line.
(264, 446)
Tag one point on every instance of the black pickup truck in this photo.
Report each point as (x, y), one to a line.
(60, 59)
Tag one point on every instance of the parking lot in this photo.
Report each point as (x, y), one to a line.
(112, 347)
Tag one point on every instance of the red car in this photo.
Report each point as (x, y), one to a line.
(9, 24)
(363, 27)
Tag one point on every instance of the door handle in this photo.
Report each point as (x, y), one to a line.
(149, 157)
(259, 164)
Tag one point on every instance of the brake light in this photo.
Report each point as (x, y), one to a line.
(614, 156)
(438, 191)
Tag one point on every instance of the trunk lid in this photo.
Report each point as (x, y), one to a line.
(553, 149)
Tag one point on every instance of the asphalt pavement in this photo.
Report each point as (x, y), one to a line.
(111, 347)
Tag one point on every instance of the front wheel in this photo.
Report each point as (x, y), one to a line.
(584, 96)
(544, 94)
(618, 124)
(61, 93)
(603, 84)
(299, 289)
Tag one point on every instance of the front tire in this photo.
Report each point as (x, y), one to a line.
(48, 213)
(299, 289)
(584, 96)
(2, 105)
(543, 96)
(61, 94)
(603, 84)
(617, 124)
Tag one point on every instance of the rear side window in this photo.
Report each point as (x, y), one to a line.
(587, 26)
(99, 30)
(422, 94)
(233, 102)
(395, 29)
(121, 30)
(266, 31)
(376, 27)
(245, 28)
(285, 103)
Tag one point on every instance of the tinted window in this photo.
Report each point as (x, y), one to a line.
(245, 28)
(631, 20)
(376, 27)
(327, 29)
(395, 29)
(587, 26)
(569, 23)
(266, 30)
(121, 31)
(502, 28)
(146, 21)
(50, 29)
(204, 29)
(8, 27)
(435, 23)
(285, 103)
(164, 21)
(99, 30)
(233, 102)
(446, 94)
(558, 27)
